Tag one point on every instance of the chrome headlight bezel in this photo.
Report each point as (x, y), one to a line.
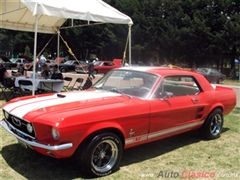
(55, 134)
(6, 114)
(29, 127)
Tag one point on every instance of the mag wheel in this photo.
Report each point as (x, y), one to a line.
(102, 155)
(212, 127)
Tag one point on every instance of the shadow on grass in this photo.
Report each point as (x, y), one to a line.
(33, 165)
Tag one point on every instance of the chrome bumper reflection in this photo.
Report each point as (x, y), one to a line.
(36, 144)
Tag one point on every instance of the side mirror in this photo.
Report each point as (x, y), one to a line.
(167, 95)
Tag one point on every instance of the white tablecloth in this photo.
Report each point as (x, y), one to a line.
(47, 84)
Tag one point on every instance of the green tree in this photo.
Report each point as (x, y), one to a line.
(27, 51)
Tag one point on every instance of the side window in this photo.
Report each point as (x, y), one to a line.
(174, 86)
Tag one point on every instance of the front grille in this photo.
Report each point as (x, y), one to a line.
(19, 126)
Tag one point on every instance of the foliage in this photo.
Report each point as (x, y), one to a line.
(27, 51)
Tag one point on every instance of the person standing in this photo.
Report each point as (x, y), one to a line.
(91, 69)
(42, 61)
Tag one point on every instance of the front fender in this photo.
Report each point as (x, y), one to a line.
(100, 127)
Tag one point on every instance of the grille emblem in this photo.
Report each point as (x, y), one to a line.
(16, 121)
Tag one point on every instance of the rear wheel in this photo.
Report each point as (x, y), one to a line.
(8, 67)
(95, 72)
(220, 81)
(212, 127)
(63, 70)
(102, 155)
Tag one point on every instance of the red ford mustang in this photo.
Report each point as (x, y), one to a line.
(129, 106)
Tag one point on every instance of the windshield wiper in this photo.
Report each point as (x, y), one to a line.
(120, 92)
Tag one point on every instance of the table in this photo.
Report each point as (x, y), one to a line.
(55, 85)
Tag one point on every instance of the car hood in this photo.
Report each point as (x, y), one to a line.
(52, 105)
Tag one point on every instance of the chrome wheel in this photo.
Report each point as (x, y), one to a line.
(216, 124)
(104, 156)
(212, 127)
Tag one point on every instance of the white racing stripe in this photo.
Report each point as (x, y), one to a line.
(21, 108)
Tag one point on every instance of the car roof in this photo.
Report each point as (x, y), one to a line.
(160, 70)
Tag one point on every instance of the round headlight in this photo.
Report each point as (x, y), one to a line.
(55, 134)
(6, 115)
(29, 128)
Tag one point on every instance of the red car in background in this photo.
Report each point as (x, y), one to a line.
(102, 66)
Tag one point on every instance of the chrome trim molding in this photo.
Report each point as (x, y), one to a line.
(174, 129)
(161, 133)
(36, 144)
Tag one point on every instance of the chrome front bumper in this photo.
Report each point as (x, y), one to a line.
(36, 144)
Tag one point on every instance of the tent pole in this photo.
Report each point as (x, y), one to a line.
(35, 53)
(58, 44)
(130, 44)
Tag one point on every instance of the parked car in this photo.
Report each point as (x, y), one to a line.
(50, 63)
(15, 62)
(105, 66)
(68, 66)
(82, 67)
(127, 107)
(212, 75)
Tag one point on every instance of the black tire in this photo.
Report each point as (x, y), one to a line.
(220, 81)
(95, 72)
(8, 67)
(212, 127)
(102, 155)
(63, 70)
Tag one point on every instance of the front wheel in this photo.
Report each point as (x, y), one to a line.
(102, 155)
(63, 70)
(212, 127)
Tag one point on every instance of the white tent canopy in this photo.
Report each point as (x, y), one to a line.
(20, 14)
(48, 15)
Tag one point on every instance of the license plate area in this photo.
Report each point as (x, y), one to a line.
(22, 143)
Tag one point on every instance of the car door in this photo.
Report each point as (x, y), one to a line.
(174, 107)
(107, 66)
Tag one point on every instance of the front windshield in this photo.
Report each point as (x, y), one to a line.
(132, 83)
(68, 62)
(203, 70)
(13, 60)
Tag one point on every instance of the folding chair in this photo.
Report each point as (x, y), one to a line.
(67, 82)
(78, 82)
(22, 84)
(8, 89)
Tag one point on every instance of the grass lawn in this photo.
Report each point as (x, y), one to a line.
(231, 82)
(173, 157)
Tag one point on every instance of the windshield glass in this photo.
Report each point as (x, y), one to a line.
(68, 62)
(13, 60)
(132, 83)
(203, 70)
